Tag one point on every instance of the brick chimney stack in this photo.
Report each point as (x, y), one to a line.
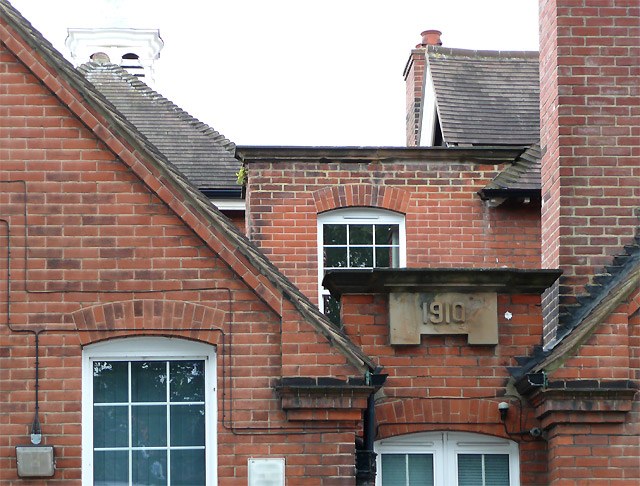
(414, 79)
(590, 141)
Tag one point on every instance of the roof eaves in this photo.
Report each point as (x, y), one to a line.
(521, 179)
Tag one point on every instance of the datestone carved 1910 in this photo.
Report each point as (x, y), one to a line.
(414, 314)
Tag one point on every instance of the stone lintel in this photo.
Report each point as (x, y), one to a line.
(388, 280)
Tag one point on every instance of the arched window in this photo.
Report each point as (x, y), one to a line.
(447, 458)
(148, 412)
(357, 238)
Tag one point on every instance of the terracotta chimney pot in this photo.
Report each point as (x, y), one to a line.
(431, 38)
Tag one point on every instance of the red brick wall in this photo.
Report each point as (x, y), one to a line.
(100, 255)
(599, 441)
(590, 132)
(448, 225)
(446, 384)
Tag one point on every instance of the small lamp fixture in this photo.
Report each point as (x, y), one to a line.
(503, 408)
(35, 461)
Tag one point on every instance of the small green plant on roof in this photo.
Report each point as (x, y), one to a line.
(242, 176)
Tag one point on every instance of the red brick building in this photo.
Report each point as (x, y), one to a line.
(130, 301)
(465, 220)
(144, 339)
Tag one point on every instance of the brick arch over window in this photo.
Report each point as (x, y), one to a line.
(418, 415)
(149, 317)
(367, 195)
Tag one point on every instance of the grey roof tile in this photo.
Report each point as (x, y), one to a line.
(486, 97)
(522, 178)
(201, 153)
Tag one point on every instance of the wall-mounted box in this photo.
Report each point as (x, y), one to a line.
(35, 461)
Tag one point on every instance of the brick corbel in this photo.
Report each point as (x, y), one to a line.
(598, 405)
(323, 399)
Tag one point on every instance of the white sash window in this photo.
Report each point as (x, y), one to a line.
(149, 413)
(357, 238)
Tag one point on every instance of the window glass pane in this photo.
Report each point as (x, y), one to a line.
(395, 257)
(148, 434)
(149, 425)
(148, 381)
(332, 309)
(360, 257)
(420, 470)
(360, 234)
(335, 234)
(335, 257)
(110, 380)
(187, 468)
(469, 469)
(110, 426)
(387, 234)
(149, 468)
(110, 467)
(187, 425)
(496, 469)
(487, 469)
(187, 381)
(384, 258)
(394, 470)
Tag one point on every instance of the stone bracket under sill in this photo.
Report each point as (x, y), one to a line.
(326, 402)
(583, 405)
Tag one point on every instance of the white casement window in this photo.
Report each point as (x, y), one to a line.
(447, 459)
(357, 238)
(148, 413)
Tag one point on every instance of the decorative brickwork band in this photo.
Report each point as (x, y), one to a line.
(361, 195)
(149, 317)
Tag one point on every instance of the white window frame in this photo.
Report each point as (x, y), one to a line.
(158, 348)
(358, 216)
(445, 447)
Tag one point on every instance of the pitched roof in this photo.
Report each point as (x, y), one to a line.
(610, 288)
(521, 179)
(147, 162)
(201, 153)
(486, 97)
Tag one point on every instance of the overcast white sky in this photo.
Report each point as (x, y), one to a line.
(294, 72)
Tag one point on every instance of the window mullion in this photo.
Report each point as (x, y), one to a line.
(348, 245)
(406, 468)
(130, 452)
(373, 245)
(168, 413)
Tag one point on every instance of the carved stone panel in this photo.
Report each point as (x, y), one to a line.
(414, 314)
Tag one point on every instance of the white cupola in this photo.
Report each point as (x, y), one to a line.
(136, 50)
